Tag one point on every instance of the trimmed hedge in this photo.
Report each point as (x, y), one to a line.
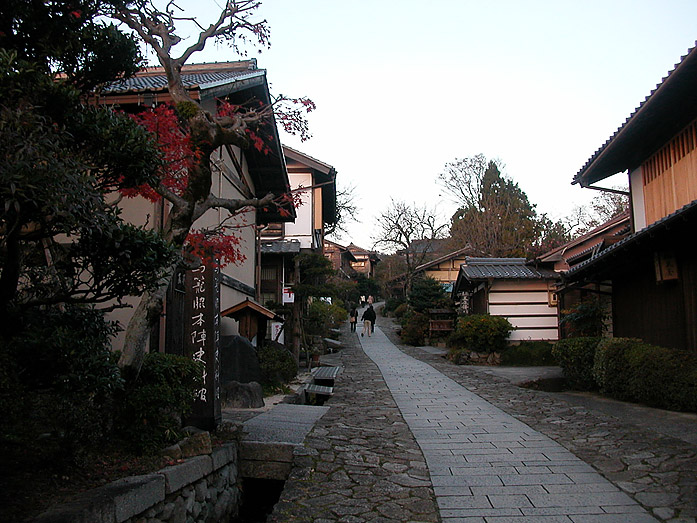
(480, 333)
(629, 369)
(529, 353)
(576, 357)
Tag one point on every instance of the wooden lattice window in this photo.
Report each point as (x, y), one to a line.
(670, 154)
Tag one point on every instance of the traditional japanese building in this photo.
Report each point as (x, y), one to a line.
(315, 182)
(238, 174)
(650, 276)
(514, 289)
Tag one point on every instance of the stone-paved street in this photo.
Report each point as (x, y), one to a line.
(361, 462)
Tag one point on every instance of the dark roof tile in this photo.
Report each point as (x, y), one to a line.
(502, 268)
(159, 82)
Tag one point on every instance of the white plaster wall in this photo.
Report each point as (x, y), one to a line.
(636, 186)
(301, 230)
(525, 305)
(139, 211)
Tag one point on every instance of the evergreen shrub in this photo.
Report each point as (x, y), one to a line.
(392, 303)
(584, 319)
(479, 333)
(401, 311)
(321, 316)
(414, 328)
(631, 370)
(149, 413)
(277, 365)
(576, 357)
(427, 293)
(529, 353)
(63, 362)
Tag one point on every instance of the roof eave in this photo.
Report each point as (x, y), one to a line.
(666, 111)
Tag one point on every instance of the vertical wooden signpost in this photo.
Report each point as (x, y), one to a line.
(202, 342)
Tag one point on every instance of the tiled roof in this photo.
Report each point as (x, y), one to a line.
(598, 231)
(502, 268)
(280, 247)
(201, 80)
(688, 212)
(676, 88)
(449, 256)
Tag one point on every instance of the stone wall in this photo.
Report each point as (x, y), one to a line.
(204, 488)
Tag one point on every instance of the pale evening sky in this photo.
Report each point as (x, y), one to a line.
(402, 87)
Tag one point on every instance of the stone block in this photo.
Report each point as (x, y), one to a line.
(262, 451)
(190, 471)
(196, 445)
(224, 455)
(136, 494)
(242, 395)
(265, 469)
(116, 501)
(332, 344)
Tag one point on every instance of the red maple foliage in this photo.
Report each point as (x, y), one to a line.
(175, 144)
(214, 248)
(219, 246)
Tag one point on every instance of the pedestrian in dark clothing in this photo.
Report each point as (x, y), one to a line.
(353, 318)
(368, 318)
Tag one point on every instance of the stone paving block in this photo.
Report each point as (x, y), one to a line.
(487, 513)
(509, 500)
(490, 458)
(613, 518)
(561, 511)
(526, 519)
(483, 470)
(585, 477)
(532, 470)
(497, 436)
(535, 479)
(454, 491)
(583, 488)
(490, 490)
(575, 468)
(465, 481)
(581, 499)
(458, 502)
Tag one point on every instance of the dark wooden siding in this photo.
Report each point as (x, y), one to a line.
(660, 313)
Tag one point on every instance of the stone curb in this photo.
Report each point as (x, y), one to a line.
(117, 501)
(127, 497)
(185, 473)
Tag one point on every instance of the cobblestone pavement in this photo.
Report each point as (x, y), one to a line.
(362, 463)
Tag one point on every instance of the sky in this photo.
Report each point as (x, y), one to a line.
(402, 87)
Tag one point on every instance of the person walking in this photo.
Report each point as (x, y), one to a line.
(353, 318)
(368, 318)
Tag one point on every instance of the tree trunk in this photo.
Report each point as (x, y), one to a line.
(144, 317)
